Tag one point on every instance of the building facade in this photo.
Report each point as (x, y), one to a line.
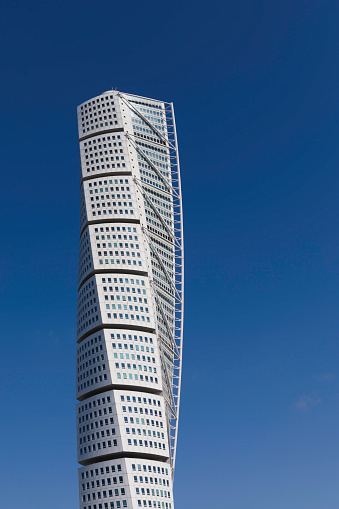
(130, 302)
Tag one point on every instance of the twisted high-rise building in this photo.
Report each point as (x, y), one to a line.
(130, 302)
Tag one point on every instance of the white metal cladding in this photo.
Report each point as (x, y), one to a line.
(130, 302)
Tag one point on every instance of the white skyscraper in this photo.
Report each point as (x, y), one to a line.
(130, 302)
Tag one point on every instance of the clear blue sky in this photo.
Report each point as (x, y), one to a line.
(255, 87)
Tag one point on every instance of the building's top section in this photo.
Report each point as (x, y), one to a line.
(110, 94)
(106, 112)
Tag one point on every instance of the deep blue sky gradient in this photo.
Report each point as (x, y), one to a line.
(255, 88)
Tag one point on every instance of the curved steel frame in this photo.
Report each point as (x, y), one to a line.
(175, 334)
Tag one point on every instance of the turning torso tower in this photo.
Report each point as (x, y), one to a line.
(130, 302)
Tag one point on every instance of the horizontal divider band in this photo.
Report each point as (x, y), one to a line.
(107, 174)
(100, 133)
(105, 221)
(112, 271)
(124, 454)
(138, 328)
(116, 387)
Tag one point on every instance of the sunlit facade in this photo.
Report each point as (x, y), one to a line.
(130, 302)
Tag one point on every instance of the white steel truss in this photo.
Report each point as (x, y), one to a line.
(171, 336)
